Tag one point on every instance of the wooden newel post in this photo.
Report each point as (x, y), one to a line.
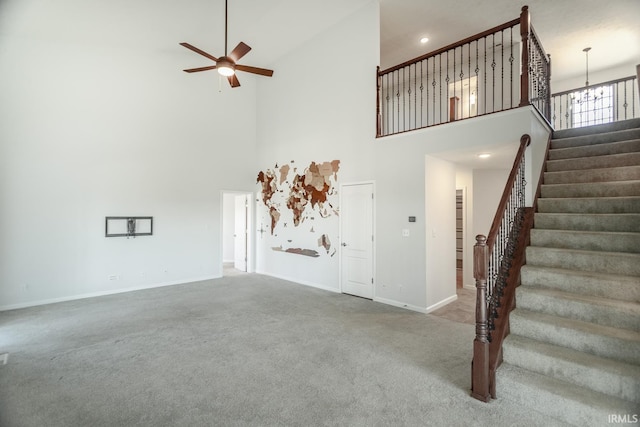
(524, 75)
(480, 364)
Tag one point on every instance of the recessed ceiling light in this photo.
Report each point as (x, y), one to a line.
(424, 40)
(484, 155)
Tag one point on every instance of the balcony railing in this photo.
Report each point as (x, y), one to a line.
(479, 75)
(606, 102)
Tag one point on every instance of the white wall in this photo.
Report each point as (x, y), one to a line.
(440, 223)
(401, 267)
(106, 131)
(488, 185)
(92, 130)
(312, 110)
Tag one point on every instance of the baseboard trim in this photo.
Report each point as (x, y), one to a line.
(470, 287)
(103, 293)
(298, 281)
(400, 304)
(442, 303)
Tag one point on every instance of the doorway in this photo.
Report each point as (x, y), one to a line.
(463, 98)
(236, 239)
(459, 237)
(356, 239)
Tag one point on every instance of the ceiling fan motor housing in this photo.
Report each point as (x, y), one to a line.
(226, 66)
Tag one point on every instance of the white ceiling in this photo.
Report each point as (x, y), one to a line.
(273, 28)
(610, 27)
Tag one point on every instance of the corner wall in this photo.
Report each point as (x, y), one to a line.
(104, 131)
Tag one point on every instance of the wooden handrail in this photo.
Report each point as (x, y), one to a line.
(452, 46)
(525, 140)
(487, 353)
(487, 348)
(402, 85)
(609, 82)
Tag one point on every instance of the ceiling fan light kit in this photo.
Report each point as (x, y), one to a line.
(227, 65)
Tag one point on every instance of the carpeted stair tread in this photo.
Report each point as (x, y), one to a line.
(603, 149)
(618, 379)
(604, 341)
(597, 162)
(602, 311)
(613, 286)
(592, 189)
(622, 173)
(608, 241)
(626, 204)
(627, 264)
(598, 129)
(595, 138)
(573, 349)
(625, 222)
(573, 404)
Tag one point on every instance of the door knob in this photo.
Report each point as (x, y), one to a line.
(344, 244)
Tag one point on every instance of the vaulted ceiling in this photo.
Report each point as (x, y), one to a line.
(273, 28)
(565, 27)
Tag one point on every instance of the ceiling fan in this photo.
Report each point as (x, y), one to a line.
(227, 65)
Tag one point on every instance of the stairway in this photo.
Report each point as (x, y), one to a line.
(574, 346)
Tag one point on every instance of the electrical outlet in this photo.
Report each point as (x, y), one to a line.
(113, 277)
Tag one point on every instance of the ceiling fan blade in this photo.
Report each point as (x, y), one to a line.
(254, 70)
(233, 80)
(239, 51)
(201, 52)
(195, 70)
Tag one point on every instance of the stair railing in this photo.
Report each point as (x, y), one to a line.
(496, 70)
(606, 102)
(496, 268)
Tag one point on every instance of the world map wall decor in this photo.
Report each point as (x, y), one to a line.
(294, 196)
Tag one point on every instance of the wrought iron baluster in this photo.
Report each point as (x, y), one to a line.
(511, 59)
(484, 89)
(469, 74)
(502, 70)
(493, 72)
(433, 85)
(440, 87)
(422, 94)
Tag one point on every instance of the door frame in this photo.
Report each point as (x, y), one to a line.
(250, 228)
(373, 231)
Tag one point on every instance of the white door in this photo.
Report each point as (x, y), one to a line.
(356, 228)
(240, 233)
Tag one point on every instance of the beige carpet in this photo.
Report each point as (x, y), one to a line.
(244, 350)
